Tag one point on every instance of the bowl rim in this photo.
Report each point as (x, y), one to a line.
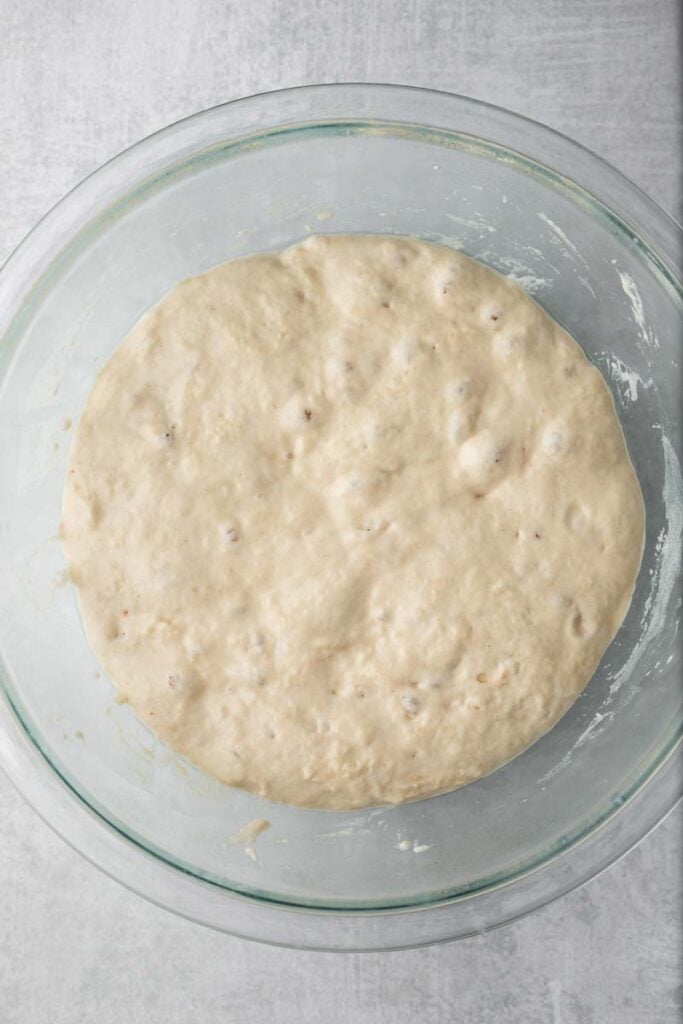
(320, 88)
(26, 266)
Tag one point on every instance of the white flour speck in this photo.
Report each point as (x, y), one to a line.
(624, 375)
(474, 224)
(247, 836)
(647, 335)
(569, 250)
(410, 844)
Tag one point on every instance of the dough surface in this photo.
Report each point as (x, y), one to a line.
(352, 523)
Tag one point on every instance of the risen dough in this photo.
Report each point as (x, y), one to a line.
(352, 523)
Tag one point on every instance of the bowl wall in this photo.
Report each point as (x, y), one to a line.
(238, 180)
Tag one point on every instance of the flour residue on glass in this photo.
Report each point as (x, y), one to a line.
(247, 836)
(412, 845)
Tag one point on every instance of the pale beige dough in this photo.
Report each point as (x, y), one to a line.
(350, 524)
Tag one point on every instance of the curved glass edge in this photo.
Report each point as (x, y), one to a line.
(561, 846)
(242, 115)
(291, 926)
(364, 94)
(662, 266)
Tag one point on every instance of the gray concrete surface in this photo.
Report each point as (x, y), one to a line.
(81, 79)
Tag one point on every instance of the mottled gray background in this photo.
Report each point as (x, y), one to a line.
(80, 80)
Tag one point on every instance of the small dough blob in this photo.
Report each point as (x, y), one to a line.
(352, 523)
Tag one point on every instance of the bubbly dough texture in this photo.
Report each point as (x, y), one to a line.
(352, 523)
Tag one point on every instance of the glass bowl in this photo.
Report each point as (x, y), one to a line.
(260, 174)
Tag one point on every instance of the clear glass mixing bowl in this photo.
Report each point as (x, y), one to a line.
(260, 174)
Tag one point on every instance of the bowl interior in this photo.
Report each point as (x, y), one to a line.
(264, 192)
